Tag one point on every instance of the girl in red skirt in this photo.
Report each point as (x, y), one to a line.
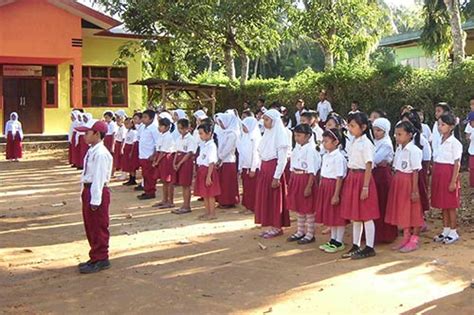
(207, 184)
(445, 184)
(403, 205)
(359, 195)
(305, 165)
(383, 157)
(119, 136)
(165, 150)
(72, 135)
(199, 115)
(249, 161)
(470, 136)
(83, 147)
(130, 162)
(333, 171)
(111, 130)
(183, 164)
(270, 209)
(227, 166)
(14, 135)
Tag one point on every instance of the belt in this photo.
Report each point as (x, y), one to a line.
(88, 185)
(299, 172)
(357, 170)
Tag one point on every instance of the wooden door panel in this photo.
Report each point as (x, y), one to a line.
(31, 112)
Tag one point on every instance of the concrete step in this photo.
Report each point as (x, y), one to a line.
(36, 145)
(38, 138)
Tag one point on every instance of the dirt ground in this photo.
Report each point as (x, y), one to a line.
(220, 268)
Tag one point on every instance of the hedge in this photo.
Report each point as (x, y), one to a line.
(385, 88)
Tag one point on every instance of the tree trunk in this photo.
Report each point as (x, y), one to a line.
(459, 39)
(244, 64)
(255, 68)
(209, 67)
(229, 62)
(328, 57)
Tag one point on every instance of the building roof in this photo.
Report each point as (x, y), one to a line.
(413, 37)
(154, 83)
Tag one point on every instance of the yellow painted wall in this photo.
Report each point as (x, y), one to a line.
(96, 52)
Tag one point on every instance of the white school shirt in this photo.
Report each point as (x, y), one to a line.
(131, 136)
(383, 152)
(361, 151)
(469, 130)
(448, 151)
(121, 133)
(186, 144)
(111, 128)
(408, 159)
(139, 129)
(435, 136)
(426, 148)
(305, 158)
(227, 145)
(196, 136)
(207, 153)
(97, 171)
(298, 116)
(334, 165)
(324, 108)
(426, 131)
(166, 143)
(248, 155)
(149, 136)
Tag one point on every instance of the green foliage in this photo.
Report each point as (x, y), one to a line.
(386, 88)
(436, 35)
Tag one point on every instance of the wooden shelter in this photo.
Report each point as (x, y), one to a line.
(171, 93)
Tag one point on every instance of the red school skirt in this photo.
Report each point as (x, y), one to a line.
(229, 185)
(200, 188)
(352, 207)
(326, 213)
(117, 155)
(184, 175)
(71, 148)
(423, 186)
(14, 148)
(109, 142)
(296, 200)
(249, 187)
(384, 232)
(270, 209)
(164, 170)
(441, 197)
(471, 170)
(130, 161)
(401, 211)
(82, 150)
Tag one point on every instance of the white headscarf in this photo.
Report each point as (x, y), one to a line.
(200, 114)
(14, 125)
(230, 122)
(121, 113)
(74, 123)
(87, 116)
(384, 124)
(274, 138)
(180, 114)
(166, 115)
(250, 140)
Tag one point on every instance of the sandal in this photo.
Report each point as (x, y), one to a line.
(181, 211)
(325, 245)
(333, 248)
(166, 206)
(294, 237)
(364, 253)
(158, 204)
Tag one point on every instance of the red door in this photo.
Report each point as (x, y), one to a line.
(24, 97)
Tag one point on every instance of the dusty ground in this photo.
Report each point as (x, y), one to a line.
(222, 271)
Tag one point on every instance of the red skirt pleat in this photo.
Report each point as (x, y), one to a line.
(127, 158)
(441, 197)
(184, 175)
(83, 147)
(288, 171)
(401, 211)
(164, 170)
(200, 188)
(71, 148)
(14, 149)
(249, 187)
(384, 232)
(117, 155)
(352, 207)
(229, 185)
(471, 170)
(423, 186)
(326, 213)
(296, 201)
(270, 209)
(109, 142)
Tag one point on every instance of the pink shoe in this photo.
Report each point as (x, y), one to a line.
(402, 243)
(412, 245)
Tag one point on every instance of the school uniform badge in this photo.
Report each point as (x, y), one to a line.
(304, 165)
(404, 164)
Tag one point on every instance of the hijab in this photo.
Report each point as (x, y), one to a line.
(384, 124)
(230, 122)
(274, 138)
(14, 125)
(180, 114)
(249, 141)
(200, 114)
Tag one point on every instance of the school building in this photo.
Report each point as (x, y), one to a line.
(56, 55)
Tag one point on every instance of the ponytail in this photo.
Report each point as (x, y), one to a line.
(413, 117)
(362, 119)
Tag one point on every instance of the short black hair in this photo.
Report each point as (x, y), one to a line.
(303, 128)
(261, 100)
(310, 114)
(150, 113)
(355, 102)
(102, 135)
(183, 122)
(138, 114)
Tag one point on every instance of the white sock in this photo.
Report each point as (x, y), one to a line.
(309, 226)
(446, 231)
(369, 227)
(301, 223)
(340, 233)
(357, 232)
(453, 233)
(333, 232)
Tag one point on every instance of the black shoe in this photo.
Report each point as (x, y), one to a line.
(351, 252)
(294, 238)
(94, 267)
(146, 196)
(364, 253)
(130, 183)
(306, 240)
(138, 188)
(83, 264)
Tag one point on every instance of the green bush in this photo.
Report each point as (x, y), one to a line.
(384, 88)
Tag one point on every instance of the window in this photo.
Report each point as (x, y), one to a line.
(104, 86)
(50, 86)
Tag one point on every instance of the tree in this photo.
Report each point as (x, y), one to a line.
(343, 29)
